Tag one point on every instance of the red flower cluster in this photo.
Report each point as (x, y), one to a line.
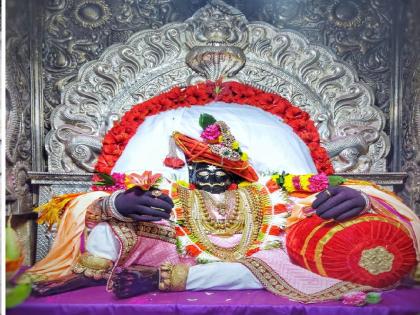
(230, 92)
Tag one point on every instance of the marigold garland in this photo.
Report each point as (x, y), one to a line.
(117, 138)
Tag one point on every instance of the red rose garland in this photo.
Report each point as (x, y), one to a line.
(229, 92)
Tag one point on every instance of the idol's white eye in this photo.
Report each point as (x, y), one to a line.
(220, 173)
(203, 173)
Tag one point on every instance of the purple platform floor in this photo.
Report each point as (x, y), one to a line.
(95, 301)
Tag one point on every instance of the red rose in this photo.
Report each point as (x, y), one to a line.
(233, 186)
(266, 99)
(296, 113)
(174, 93)
(298, 124)
(173, 162)
(178, 231)
(117, 130)
(111, 149)
(192, 250)
(166, 104)
(134, 120)
(275, 230)
(279, 208)
(122, 137)
(109, 138)
(308, 136)
(272, 185)
(252, 251)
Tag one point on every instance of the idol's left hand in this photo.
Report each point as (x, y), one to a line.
(339, 203)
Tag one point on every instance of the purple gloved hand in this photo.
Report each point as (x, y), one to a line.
(341, 203)
(142, 205)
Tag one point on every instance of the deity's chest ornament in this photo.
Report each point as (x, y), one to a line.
(233, 212)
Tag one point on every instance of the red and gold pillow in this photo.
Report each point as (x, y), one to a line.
(371, 249)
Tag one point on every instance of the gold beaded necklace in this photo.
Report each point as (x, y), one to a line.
(248, 221)
(228, 209)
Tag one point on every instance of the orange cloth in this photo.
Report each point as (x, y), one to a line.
(66, 247)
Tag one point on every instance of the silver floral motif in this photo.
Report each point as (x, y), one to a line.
(92, 13)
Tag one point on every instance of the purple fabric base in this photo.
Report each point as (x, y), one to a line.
(95, 301)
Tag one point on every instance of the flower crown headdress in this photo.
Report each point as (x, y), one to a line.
(219, 148)
(221, 141)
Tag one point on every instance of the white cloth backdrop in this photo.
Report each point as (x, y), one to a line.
(270, 143)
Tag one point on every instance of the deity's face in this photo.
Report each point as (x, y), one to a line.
(210, 178)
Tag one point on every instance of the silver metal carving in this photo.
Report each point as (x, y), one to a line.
(282, 61)
(18, 124)
(216, 39)
(411, 140)
(92, 13)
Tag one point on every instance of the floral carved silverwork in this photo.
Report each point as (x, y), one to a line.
(219, 42)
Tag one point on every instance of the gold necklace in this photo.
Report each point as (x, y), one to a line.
(230, 212)
(225, 226)
(250, 205)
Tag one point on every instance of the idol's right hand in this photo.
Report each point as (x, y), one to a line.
(140, 205)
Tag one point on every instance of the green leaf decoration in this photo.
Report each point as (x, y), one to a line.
(205, 120)
(99, 184)
(18, 294)
(280, 179)
(107, 180)
(218, 89)
(335, 180)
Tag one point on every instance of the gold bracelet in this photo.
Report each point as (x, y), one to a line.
(109, 205)
(92, 266)
(173, 277)
(368, 204)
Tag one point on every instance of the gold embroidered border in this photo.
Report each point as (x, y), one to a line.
(277, 285)
(92, 266)
(127, 234)
(156, 231)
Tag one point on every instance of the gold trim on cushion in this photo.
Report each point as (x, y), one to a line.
(376, 260)
(308, 238)
(277, 285)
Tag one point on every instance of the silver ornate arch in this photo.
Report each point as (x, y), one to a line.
(218, 41)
